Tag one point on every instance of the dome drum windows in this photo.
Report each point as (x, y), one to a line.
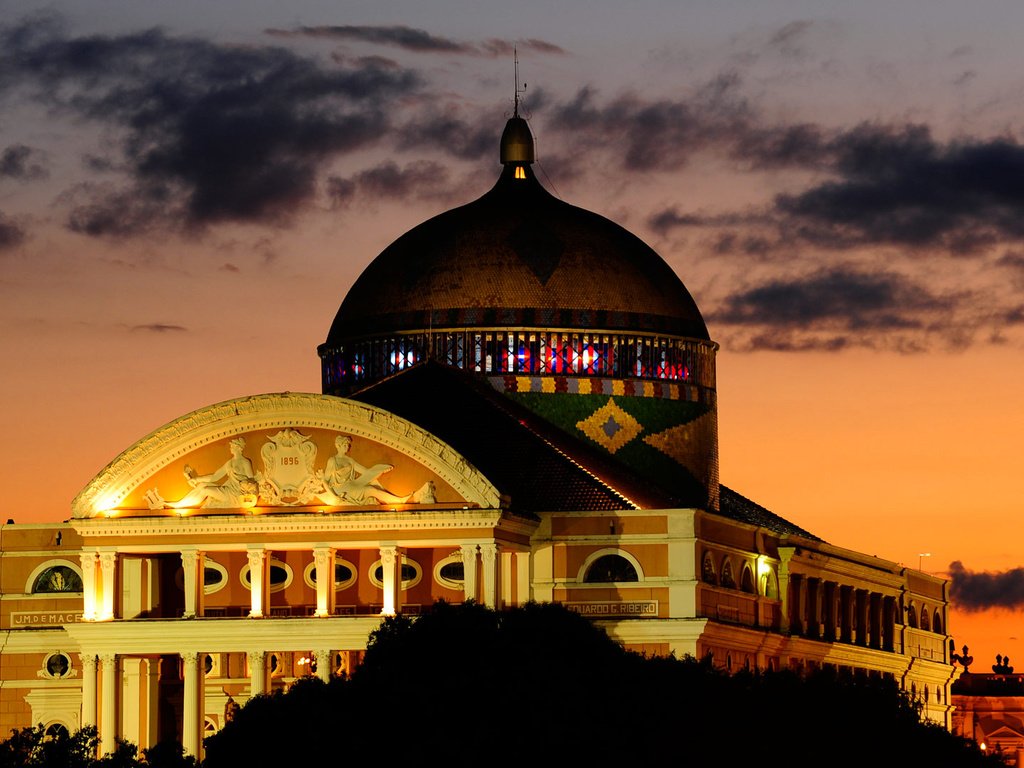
(536, 352)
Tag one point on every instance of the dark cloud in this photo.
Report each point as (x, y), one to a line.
(160, 328)
(653, 135)
(419, 40)
(19, 161)
(467, 138)
(839, 307)
(981, 590)
(11, 233)
(209, 132)
(898, 185)
(389, 181)
(855, 300)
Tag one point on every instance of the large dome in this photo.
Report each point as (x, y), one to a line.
(518, 256)
(573, 323)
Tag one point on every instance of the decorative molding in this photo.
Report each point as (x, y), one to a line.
(281, 411)
(290, 523)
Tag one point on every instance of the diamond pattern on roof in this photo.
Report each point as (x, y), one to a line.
(610, 426)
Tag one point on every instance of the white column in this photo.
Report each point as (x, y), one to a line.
(108, 567)
(323, 664)
(489, 558)
(391, 561)
(469, 571)
(108, 704)
(192, 566)
(257, 672)
(192, 718)
(131, 700)
(149, 730)
(522, 578)
(257, 566)
(323, 557)
(88, 560)
(88, 688)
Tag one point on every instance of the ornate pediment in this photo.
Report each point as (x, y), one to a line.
(285, 450)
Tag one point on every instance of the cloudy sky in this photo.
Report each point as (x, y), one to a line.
(188, 189)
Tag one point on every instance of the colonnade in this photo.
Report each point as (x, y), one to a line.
(112, 683)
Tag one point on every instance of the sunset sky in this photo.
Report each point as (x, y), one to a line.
(188, 189)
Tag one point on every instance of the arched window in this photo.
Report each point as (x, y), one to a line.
(610, 568)
(912, 616)
(707, 570)
(610, 565)
(56, 731)
(56, 579)
(937, 623)
(769, 584)
(727, 578)
(747, 580)
(925, 622)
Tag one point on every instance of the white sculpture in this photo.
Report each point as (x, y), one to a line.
(238, 489)
(347, 482)
(290, 479)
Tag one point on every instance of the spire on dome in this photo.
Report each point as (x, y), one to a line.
(517, 139)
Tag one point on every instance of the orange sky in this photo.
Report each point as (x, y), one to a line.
(838, 187)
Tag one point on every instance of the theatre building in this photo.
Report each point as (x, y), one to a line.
(519, 403)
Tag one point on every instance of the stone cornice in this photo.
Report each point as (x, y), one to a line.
(254, 528)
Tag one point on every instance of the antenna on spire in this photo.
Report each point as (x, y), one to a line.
(515, 58)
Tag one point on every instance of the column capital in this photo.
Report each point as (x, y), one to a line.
(190, 557)
(108, 560)
(256, 556)
(468, 552)
(488, 552)
(189, 657)
(88, 560)
(88, 661)
(108, 659)
(388, 554)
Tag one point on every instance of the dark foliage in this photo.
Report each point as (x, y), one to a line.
(32, 747)
(542, 686)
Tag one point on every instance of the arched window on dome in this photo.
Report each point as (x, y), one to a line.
(937, 622)
(707, 570)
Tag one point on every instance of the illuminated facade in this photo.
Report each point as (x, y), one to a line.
(519, 404)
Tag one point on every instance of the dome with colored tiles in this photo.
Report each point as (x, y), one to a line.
(566, 313)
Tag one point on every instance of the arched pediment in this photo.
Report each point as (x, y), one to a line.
(287, 450)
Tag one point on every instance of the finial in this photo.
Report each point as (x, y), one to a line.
(517, 140)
